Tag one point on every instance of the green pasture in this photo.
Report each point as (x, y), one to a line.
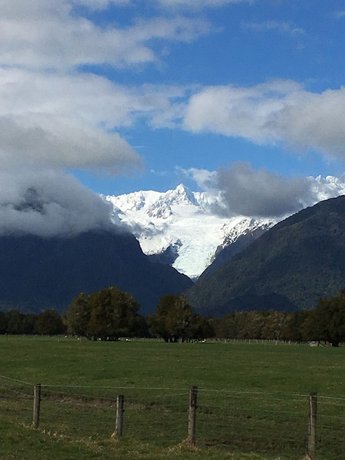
(252, 402)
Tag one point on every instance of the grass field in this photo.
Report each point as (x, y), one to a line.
(252, 399)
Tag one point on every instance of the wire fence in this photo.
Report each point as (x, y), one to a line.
(284, 425)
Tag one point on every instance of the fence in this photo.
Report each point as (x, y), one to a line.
(285, 425)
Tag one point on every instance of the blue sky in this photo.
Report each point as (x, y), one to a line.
(247, 44)
(145, 94)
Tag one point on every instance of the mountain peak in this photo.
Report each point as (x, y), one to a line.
(181, 194)
(182, 189)
(178, 220)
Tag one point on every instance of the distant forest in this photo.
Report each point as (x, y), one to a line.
(110, 314)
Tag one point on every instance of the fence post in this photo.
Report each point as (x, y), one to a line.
(120, 402)
(312, 426)
(37, 406)
(193, 399)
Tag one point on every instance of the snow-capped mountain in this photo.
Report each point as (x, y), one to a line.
(182, 222)
(189, 228)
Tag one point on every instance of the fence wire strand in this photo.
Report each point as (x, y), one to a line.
(269, 423)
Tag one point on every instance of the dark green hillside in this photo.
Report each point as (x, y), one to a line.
(227, 253)
(289, 267)
(37, 272)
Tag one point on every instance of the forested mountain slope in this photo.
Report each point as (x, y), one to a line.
(289, 267)
(38, 272)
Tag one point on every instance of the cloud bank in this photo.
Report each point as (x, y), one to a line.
(258, 192)
(48, 204)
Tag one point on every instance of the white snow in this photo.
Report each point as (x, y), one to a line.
(159, 220)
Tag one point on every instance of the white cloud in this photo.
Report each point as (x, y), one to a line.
(101, 4)
(199, 4)
(54, 115)
(69, 120)
(271, 113)
(89, 98)
(64, 121)
(62, 143)
(238, 111)
(204, 178)
(49, 35)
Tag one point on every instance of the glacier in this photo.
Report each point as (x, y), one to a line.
(184, 220)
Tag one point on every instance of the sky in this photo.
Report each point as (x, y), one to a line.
(115, 96)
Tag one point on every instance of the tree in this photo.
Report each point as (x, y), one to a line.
(49, 322)
(15, 322)
(271, 325)
(299, 326)
(3, 323)
(226, 327)
(202, 327)
(28, 323)
(174, 319)
(328, 320)
(276, 325)
(107, 314)
(78, 315)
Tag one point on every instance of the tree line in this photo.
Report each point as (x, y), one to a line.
(48, 322)
(111, 313)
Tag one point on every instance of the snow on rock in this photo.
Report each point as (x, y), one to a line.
(179, 218)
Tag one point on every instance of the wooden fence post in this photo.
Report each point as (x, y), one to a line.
(193, 399)
(312, 426)
(37, 406)
(120, 402)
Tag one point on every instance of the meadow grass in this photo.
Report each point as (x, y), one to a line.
(252, 399)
